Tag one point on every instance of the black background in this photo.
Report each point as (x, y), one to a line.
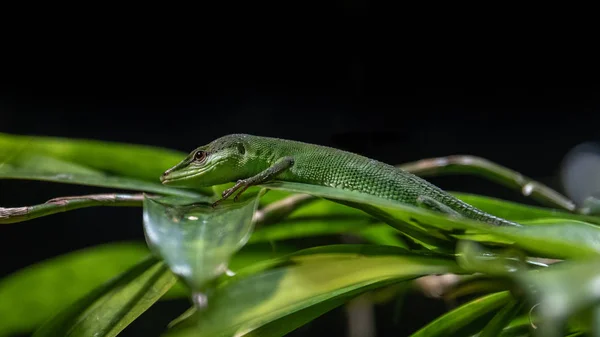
(389, 100)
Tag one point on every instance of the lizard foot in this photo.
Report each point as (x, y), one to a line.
(241, 185)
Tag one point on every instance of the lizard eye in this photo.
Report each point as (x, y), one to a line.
(199, 155)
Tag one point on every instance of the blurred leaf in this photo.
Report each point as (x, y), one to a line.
(518, 327)
(524, 326)
(107, 310)
(130, 160)
(382, 235)
(31, 295)
(559, 291)
(473, 257)
(308, 279)
(591, 206)
(459, 322)
(198, 240)
(502, 319)
(479, 284)
(89, 162)
(96, 180)
(553, 238)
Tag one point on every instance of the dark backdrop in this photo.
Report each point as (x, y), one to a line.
(367, 102)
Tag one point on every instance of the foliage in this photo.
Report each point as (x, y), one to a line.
(236, 264)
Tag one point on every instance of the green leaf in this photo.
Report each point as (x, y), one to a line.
(308, 227)
(520, 212)
(502, 319)
(308, 279)
(30, 295)
(129, 160)
(518, 327)
(96, 180)
(109, 309)
(453, 322)
(89, 162)
(322, 217)
(383, 235)
(558, 238)
(473, 257)
(198, 240)
(293, 321)
(591, 206)
(553, 238)
(559, 292)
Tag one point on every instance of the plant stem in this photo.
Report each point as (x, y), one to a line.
(57, 205)
(465, 164)
(461, 164)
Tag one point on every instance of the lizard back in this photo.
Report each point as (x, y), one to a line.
(327, 166)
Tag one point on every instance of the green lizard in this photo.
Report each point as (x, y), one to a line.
(249, 160)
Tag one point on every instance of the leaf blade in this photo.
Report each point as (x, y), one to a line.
(110, 308)
(245, 303)
(31, 295)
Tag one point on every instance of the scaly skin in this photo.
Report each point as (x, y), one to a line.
(240, 157)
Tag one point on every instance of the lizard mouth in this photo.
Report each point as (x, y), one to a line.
(170, 177)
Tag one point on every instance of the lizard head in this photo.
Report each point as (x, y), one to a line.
(218, 162)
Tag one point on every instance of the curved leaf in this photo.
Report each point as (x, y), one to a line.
(554, 237)
(96, 180)
(249, 301)
(31, 295)
(560, 291)
(198, 240)
(520, 212)
(502, 319)
(109, 309)
(136, 161)
(452, 323)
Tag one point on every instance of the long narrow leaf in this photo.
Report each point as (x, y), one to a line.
(96, 180)
(452, 322)
(31, 295)
(136, 161)
(561, 238)
(109, 309)
(251, 301)
(520, 212)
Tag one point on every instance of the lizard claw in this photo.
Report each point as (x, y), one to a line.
(241, 185)
(227, 193)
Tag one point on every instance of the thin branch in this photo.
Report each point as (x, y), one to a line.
(58, 205)
(461, 164)
(465, 164)
(280, 209)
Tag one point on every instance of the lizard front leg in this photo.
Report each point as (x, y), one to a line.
(266, 175)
